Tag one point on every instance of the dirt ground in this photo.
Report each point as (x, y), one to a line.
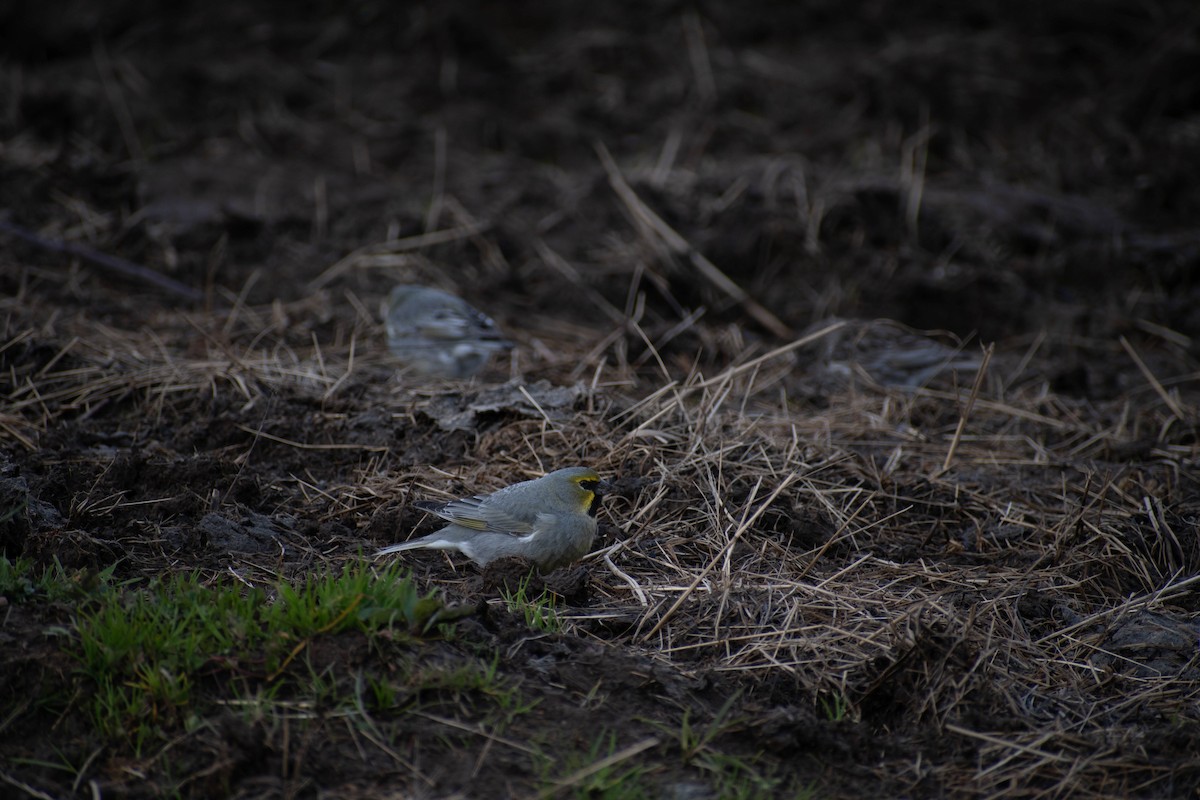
(816, 578)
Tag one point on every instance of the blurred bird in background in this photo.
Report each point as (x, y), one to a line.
(885, 353)
(437, 334)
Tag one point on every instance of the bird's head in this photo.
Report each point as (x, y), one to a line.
(583, 485)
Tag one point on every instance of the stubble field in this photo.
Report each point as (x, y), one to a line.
(822, 572)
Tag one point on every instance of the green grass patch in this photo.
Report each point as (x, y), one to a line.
(835, 706)
(694, 739)
(21, 581)
(145, 650)
(736, 778)
(601, 773)
(540, 612)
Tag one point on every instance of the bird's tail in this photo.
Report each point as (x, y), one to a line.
(397, 548)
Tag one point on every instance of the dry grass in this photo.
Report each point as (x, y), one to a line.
(912, 605)
(993, 578)
(955, 562)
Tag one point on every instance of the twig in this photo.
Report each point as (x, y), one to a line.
(383, 254)
(25, 787)
(633, 585)
(729, 374)
(677, 244)
(742, 528)
(113, 263)
(962, 420)
(997, 740)
(438, 195)
(733, 372)
(1142, 603)
(478, 730)
(591, 769)
(912, 172)
(108, 77)
(553, 259)
(303, 446)
(693, 32)
(1154, 382)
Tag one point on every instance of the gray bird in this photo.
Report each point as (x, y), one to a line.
(550, 521)
(437, 334)
(888, 353)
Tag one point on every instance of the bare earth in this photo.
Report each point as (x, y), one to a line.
(819, 576)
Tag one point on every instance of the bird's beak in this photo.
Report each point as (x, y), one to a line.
(603, 488)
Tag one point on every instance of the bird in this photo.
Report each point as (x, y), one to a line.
(550, 521)
(886, 352)
(438, 334)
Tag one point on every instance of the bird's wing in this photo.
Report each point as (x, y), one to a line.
(444, 324)
(478, 514)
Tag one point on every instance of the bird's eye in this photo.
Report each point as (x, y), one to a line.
(590, 485)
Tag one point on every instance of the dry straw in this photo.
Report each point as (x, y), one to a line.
(954, 560)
